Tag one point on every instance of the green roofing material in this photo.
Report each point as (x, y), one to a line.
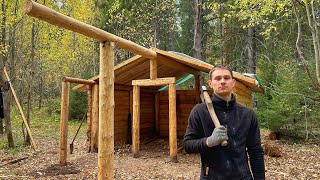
(179, 81)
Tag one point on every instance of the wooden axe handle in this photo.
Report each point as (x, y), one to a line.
(212, 113)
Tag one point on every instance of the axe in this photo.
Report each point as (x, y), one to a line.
(206, 98)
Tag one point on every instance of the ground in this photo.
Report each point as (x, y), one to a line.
(298, 161)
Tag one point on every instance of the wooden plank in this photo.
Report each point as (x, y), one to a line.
(124, 65)
(133, 73)
(120, 87)
(46, 14)
(172, 63)
(155, 82)
(64, 123)
(201, 66)
(106, 112)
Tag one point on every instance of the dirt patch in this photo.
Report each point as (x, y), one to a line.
(55, 170)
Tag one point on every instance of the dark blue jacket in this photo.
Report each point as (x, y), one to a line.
(229, 162)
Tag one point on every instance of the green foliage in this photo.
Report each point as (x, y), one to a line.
(54, 106)
(289, 104)
(78, 105)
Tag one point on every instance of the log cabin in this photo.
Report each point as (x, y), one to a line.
(154, 99)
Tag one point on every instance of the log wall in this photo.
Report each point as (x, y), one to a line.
(147, 114)
(122, 110)
(186, 100)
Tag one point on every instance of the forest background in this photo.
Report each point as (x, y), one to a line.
(277, 40)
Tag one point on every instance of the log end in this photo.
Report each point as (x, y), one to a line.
(27, 6)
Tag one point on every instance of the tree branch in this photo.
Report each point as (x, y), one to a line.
(301, 56)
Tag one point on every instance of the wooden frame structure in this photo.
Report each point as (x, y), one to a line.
(106, 99)
(172, 110)
(107, 77)
(65, 114)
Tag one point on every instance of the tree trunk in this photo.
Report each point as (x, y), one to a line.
(221, 37)
(251, 50)
(40, 85)
(3, 34)
(6, 92)
(7, 106)
(30, 86)
(198, 29)
(156, 28)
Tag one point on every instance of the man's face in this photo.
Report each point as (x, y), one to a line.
(221, 82)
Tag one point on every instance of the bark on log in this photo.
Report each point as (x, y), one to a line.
(106, 112)
(172, 122)
(64, 123)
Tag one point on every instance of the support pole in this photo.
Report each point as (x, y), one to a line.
(106, 112)
(172, 123)
(20, 109)
(136, 121)
(95, 118)
(64, 123)
(89, 117)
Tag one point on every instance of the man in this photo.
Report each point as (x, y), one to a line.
(239, 127)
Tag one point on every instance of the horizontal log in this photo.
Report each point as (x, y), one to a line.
(46, 14)
(154, 82)
(80, 81)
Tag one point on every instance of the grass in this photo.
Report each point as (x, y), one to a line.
(42, 126)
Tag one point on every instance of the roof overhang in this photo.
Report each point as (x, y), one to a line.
(168, 65)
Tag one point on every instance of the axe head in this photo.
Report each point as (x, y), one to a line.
(203, 89)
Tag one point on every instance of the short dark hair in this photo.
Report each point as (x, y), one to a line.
(220, 66)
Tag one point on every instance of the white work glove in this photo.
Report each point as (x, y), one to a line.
(218, 135)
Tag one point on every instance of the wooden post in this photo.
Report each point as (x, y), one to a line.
(64, 123)
(89, 117)
(136, 121)
(153, 69)
(157, 113)
(95, 118)
(172, 123)
(106, 112)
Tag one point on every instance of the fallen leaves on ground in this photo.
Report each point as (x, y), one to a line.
(299, 161)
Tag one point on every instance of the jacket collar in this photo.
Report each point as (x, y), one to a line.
(218, 102)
